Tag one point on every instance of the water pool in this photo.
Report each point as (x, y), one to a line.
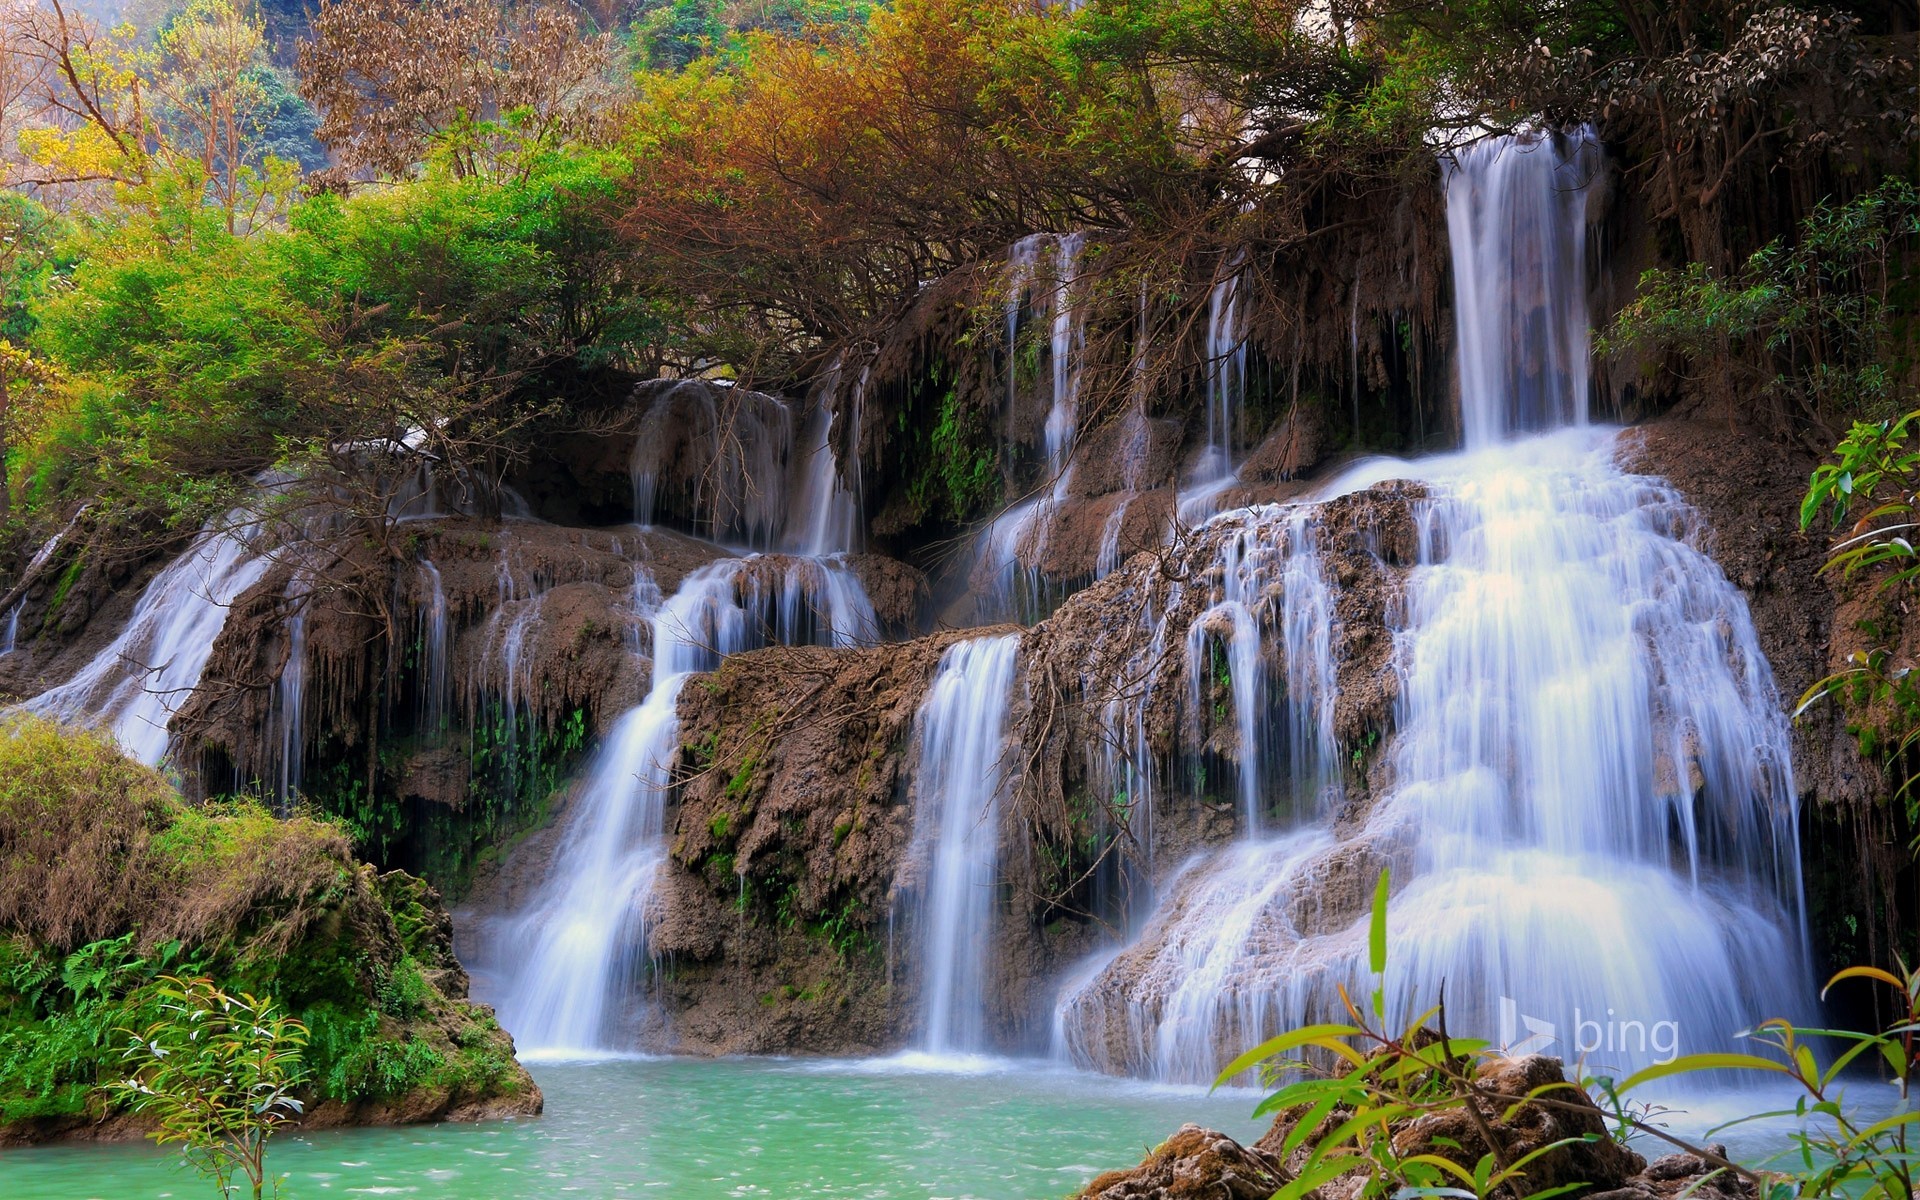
(694, 1129)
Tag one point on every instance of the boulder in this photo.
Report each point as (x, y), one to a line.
(1194, 1162)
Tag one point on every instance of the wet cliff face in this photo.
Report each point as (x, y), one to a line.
(435, 699)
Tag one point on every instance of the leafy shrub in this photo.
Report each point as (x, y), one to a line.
(217, 1071)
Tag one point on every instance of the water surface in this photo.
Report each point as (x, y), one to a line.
(694, 1129)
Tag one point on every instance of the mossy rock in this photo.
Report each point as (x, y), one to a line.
(108, 881)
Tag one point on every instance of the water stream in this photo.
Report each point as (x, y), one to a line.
(570, 963)
(696, 1130)
(132, 687)
(958, 782)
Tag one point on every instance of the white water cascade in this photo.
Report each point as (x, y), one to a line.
(435, 674)
(572, 957)
(1588, 802)
(1217, 469)
(825, 518)
(1517, 221)
(1012, 548)
(132, 687)
(956, 839)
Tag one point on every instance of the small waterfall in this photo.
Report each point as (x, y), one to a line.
(512, 627)
(715, 457)
(575, 953)
(434, 674)
(1012, 548)
(1588, 800)
(962, 732)
(287, 716)
(1023, 258)
(1516, 217)
(1226, 378)
(134, 685)
(11, 638)
(582, 941)
(1069, 335)
(825, 517)
(1217, 469)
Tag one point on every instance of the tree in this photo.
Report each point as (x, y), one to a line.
(218, 1074)
(176, 120)
(396, 81)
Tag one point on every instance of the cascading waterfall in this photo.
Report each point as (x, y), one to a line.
(962, 734)
(1013, 546)
(1516, 218)
(573, 955)
(287, 719)
(436, 679)
(134, 685)
(1591, 811)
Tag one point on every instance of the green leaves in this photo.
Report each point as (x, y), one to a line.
(1377, 944)
(217, 1074)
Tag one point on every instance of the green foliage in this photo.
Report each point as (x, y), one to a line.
(675, 34)
(109, 883)
(1876, 474)
(1808, 323)
(1380, 1078)
(217, 1072)
(845, 929)
(356, 1057)
(193, 353)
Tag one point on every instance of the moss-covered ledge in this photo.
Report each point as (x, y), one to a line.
(108, 881)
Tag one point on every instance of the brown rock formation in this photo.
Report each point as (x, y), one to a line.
(791, 825)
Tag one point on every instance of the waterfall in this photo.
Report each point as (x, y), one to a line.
(715, 457)
(572, 956)
(287, 717)
(1588, 802)
(962, 734)
(435, 677)
(825, 518)
(1068, 339)
(133, 686)
(1516, 218)
(1013, 546)
(1226, 377)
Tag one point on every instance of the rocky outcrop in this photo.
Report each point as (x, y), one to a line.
(792, 822)
(111, 881)
(1194, 1164)
(1110, 671)
(462, 672)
